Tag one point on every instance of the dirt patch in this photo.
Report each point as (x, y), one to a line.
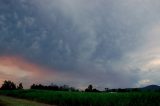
(10, 101)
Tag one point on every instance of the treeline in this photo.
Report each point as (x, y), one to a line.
(9, 85)
(53, 87)
(123, 90)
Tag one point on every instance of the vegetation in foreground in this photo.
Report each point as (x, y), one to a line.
(69, 96)
(63, 98)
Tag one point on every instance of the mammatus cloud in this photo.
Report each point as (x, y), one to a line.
(104, 42)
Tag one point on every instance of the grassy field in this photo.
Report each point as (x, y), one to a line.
(61, 98)
(10, 101)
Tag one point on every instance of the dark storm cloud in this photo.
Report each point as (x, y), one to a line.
(89, 40)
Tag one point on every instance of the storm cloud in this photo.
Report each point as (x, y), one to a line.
(102, 42)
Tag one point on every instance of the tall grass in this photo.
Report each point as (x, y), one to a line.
(61, 98)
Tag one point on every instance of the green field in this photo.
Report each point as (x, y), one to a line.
(61, 98)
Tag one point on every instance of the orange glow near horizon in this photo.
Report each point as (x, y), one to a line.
(18, 69)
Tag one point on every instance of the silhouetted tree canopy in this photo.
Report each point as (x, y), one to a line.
(90, 89)
(20, 86)
(53, 87)
(106, 89)
(8, 85)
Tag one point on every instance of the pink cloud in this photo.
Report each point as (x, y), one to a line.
(18, 70)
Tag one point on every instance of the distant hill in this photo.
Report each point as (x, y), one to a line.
(151, 87)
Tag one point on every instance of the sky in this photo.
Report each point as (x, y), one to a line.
(106, 43)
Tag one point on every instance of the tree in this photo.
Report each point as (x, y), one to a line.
(89, 89)
(95, 90)
(106, 89)
(8, 85)
(20, 86)
(33, 86)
